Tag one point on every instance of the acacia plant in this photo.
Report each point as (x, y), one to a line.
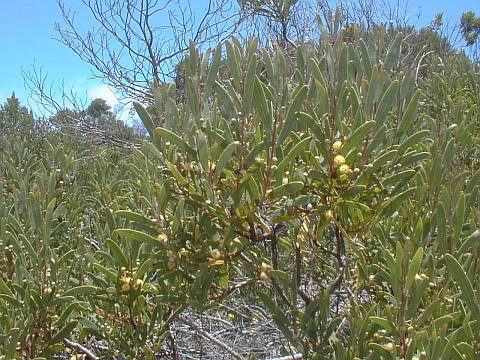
(329, 184)
(315, 183)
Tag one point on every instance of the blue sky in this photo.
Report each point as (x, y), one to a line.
(27, 36)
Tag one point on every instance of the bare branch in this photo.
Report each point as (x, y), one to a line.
(137, 42)
(81, 349)
(210, 337)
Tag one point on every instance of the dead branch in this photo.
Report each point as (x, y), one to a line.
(137, 42)
(210, 337)
(79, 348)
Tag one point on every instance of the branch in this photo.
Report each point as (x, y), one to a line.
(289, 357)
(79, 348)
(210, 337)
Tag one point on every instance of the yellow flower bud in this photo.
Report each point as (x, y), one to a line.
(138, 284)
(339, 160)
(337, 145)
(162, 238)
(215, 254)
(344, 169)
(264, 276)
(126, 287)
(265, 267)
(389, 347)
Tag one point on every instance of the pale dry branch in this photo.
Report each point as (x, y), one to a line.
(89, 355)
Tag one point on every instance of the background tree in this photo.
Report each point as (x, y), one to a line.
(470, 26)
(95, 126)
(15, 117)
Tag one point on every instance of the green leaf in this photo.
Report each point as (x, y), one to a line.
(167, 135)
(108, 273)
(393, 53)
(414, 267)
(442, 226)
(472, 242)
(382, 160)
(291, 154)
(262, 108)
(203, 150)
(474, 181)
(342, 66)
(313, 125)
(145, 117)
(373, 91)
(353, 191)
(135, 217)
(401, 177)
(429, 310)
(192, 97)
(409, 114)
(168, 299)
(465, 285)
(14, 335)
(295, 106)
(4, 289)
(118, 255)
(249, 86)
(458, 218)
(316, 72)
(412, 140)
(286, 189)
(367, 64)
(28, 246)
(278, 315)
(212, 72)
(413, 158)
(357, 137)
(225, 157)
(137, 235)
(63, 332)
(176, 174)
(81, 290)
(384, 323)
(386, 103)
(389, 206)
(415, 300)
(380, 352)
(225, 101)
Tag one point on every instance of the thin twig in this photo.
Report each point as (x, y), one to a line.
(81, 349)
(210, 337)
(289, 357)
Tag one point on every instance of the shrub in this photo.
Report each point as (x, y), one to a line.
(323, 184)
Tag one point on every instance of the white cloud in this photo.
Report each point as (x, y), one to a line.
(106, 93)
(103, 92)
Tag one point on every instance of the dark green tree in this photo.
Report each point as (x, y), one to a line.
(100, 115)
(15, 118)
(470, 28)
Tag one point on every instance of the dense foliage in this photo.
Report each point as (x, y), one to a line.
(333, 184)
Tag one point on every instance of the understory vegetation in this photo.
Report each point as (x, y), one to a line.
(330, 188)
